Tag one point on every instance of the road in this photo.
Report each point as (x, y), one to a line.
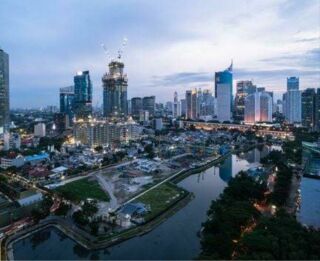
(107, 187)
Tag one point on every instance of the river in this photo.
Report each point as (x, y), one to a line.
(176, 238)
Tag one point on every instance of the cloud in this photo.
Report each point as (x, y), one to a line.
(308, 59)
(177, 43)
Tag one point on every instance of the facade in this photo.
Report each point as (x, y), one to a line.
(293, 106)
(136, 106)
(82, 95)
(223, 93)
(11, 141)
(189, 104)
(176, 106)
(115, 84)
(40, 130)
(183, 103)
(258, 108)
(317, 110)
(17, 162)
(67, 102)
(61, 121)
(292, 83)
(292, 101)
(4, 92)
(207, 104)
(158, 124)
(308, 99)
(104, 133)
(149, 104)
(244, 88)
(144, 116)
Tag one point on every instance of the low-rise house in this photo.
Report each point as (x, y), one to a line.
(16, 161)
(37, 158)
(38, 173)
(29, 197)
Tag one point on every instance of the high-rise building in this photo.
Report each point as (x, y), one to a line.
(82, 95)
(292, 101)
(136, 106)
(176, 106)
(149, 104)
(292, 83)
(223, 93)
(191, 103)
(67, 102)
(183, 107)
(308, 108)
(40, 130)
(244, 88)
(4, 92)
(258, 108)
(207, 104)
(317, 110)
(115, 84)
(99, 133)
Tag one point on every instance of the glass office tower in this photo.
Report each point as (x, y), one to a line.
(4, 91)
(82, 95)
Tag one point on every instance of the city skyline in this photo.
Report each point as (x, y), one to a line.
(176, 49)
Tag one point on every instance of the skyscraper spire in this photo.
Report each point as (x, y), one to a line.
(230, 68)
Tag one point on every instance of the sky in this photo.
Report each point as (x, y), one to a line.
(172, 45)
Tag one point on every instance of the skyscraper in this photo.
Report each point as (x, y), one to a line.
(149, 104)
(317, 110)
(308, 108)
(115, 84)
(136, 107)
(244, 88)
(67, 102)
(191, 103)
(292, 101)
(82, 95)
(292, 83)
(176, 106)
(223, 93)
(258, 108)
(4, 91)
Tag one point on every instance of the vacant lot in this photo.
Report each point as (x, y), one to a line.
(83, 189)
(160, 198)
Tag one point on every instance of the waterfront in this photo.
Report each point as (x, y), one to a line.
(176, 238)
(310, 202)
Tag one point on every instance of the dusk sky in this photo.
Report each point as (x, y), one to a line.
(172, 45)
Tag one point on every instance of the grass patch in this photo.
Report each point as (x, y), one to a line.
(161, 198)
(83, 189)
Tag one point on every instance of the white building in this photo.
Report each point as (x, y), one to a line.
(258, 108)
(158, 124)
(293, 106)
(103, 133)
(12, 162)
(40, 130)
(223, 102)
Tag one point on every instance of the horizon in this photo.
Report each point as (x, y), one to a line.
(168, 46)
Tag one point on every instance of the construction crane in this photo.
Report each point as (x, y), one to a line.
(120, 51)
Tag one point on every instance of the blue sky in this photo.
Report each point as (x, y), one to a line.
(172, 45)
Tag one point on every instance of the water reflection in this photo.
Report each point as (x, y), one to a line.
(176, 238)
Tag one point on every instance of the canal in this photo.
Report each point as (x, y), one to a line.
(176, 238)
(310, 202)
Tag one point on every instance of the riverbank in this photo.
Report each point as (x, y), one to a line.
(91, 243)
